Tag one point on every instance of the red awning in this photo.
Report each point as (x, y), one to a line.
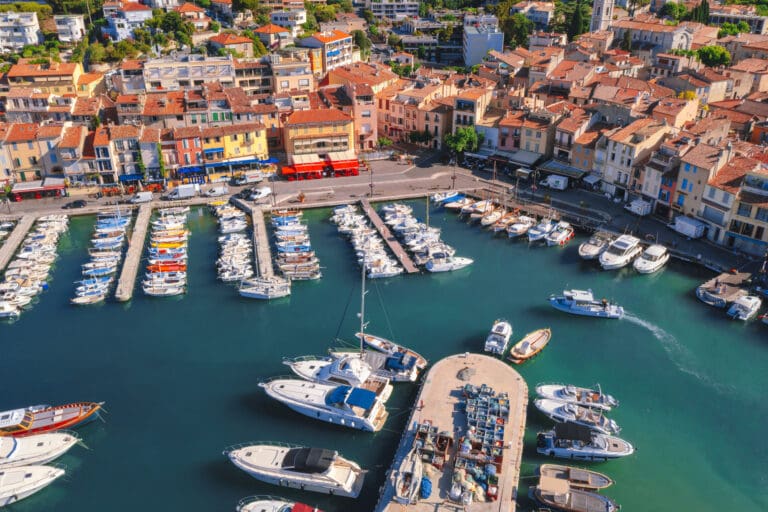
(345, 165)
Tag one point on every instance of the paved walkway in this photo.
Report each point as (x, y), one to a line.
(262, 255)
(439, 401)
(389, 238)
(15, 238)
(127, 281)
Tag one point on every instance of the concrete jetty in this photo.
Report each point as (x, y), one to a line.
(15, 238)
(127, 281)
(439, 402)
(389, 238)
(261, 252)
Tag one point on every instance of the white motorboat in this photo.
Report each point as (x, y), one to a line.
(391, 348)
(520, 226)
(620, 252)
(587, 397)
(448, 264)
(582, 302)
(745, 308)
(479, 206)
(307, 469)
(561, 235)
(265, 288)
(8, 310)
(567, 412)
(498, 338)
(23, 481)
(559, 494)
(490, 218)
(652, 259)
(36, 449)
(576, 442)
(541, 230)
(348, 368)
(346, 406)
(88, 298)
(406, 479)
(272, 504)
(458, 204)
(163, 290)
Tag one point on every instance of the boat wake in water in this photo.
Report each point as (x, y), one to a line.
(681, 356)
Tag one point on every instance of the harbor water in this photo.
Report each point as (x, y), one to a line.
(180, 376)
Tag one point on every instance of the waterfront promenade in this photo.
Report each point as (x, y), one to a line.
(13, 241)
(439, 401)
(125, 285)
(389, 238)
(262, 254)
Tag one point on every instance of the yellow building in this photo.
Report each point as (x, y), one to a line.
(55, 78)
(234, 145)
(24, 152)
(320, 143)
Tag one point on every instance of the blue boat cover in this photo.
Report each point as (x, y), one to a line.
(356, 397)
(426, 488)
(400, 362)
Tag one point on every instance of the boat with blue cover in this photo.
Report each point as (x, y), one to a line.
(346, 406)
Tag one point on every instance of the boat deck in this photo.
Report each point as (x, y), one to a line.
(127, 281)
(728, 286)
(438, 401)
(13, 241)
(389, 238)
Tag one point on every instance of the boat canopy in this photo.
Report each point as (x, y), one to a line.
(355, 397)
(309, 460)
(11, 418)
(573, 431)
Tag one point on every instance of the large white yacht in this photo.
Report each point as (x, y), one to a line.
(448, 264)
(576, 442)
(308, 469)
(652, 259)
(621, 252)
(588, 397)
(566, 412)
(23, 481)
(347, 406)
(346, 368)
(37, 449)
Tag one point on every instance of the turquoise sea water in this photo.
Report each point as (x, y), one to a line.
(179, 376)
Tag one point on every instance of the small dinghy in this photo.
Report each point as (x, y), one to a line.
(577, 477)
(533, 343)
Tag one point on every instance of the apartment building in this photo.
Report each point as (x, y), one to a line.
(481, 34)
(393, 9)
(187, 70)
(719, 14)
(70, 27)
(290, 19)
(241, 45)
(292, 71)
(17, 30)
(337, 48)
(319, 143)
(124, 18)
(540, 13)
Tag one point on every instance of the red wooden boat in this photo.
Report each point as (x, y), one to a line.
(160, 267)
(44, 418)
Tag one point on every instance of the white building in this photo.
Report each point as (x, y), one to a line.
(393, 9)
(481, 35)
(337, 47)
(179, 72)
(70, 27)
(292, 20)
(602, 15)
(540, 13)
(18, 29)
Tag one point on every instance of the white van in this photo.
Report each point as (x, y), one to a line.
(141, 197)
(555, 182)
(219, 190)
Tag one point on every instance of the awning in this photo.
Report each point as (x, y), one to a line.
(270, 160)
(475, 155)
(130, 177)
(345, 164)
(591, 179)
(191, 169)
(233, 163)
(213, 150)
(562, 169)
(37, 186)
(524, 158)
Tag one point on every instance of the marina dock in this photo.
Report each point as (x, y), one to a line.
(15, 238)
(125, 284)
(439, 401)
(389, 238)
(727, 286)
(261, 252)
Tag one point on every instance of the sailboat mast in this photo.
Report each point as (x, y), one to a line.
(362, 309)
(427, 199)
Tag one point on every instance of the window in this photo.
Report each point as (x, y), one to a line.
(586, 151)
(680, 200)
(30, 145)
(762, 214)
(685, 184)
(528, 133)
(215, 116)
(759, 232)
(184, 144)
(711, 193)
(53, 158)
(366, 113)
(687, 167)
(744, 210)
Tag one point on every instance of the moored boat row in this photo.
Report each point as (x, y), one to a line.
(236, 248)
(166, 274)
(27, 275)
(295, 258)
(368, 244)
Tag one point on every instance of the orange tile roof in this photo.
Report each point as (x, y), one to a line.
(101, 136)
(87, 78)
(50, 131)
(72, 137)
(225, 39)
(21, 132)
(123, 132)
(625, 134)
(270, 29)
(317, 117)
(134, 6)
(331, 36)
(188, 7)
(231, 129)
(86, 107)
(24, 69)
(132, 65)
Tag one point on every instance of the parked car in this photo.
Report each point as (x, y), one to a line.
(245, 193)
(260, 193)
(75, 204)
(220, 190)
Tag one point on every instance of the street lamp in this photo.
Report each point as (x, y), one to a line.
(453, 176)
(370, 184)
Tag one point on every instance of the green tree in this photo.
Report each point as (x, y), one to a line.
(205, 4)
(714, 56)
(161, 162)
(342, 5)
(96, 53)
(369, 17)
(576, 25)
(675, 10)
(384, 142)
(423, 9)
(325, 13)
(394, 41)
(731, 29)
(516, 30)
(626, 41)
(215, 26)
(465, 139)
(362, 42)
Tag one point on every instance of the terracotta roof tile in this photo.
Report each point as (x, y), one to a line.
(271, 29)
(317, 117)
(225, 39)
(73, 137)
(188, 7)
(331, 36)
(134, 7)
(22, 132)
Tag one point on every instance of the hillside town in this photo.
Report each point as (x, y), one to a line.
(651, 103)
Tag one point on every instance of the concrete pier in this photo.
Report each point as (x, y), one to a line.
(15, 238)
(261, 254)
(389, 238)
(127, 281)
(439, 401)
